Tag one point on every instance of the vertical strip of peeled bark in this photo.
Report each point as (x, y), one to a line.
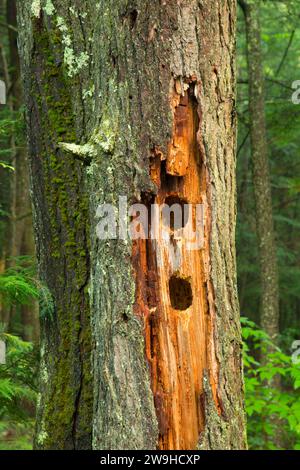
(174, 286)
(149, 111)
(261, 175)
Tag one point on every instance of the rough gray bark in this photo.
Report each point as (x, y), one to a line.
(101, 76)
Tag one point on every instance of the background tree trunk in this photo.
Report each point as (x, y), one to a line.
(269, 315)
(134, 99)
(261, 175)
(18, 226)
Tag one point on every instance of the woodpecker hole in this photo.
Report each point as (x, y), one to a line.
(181, 295)
(133, 17)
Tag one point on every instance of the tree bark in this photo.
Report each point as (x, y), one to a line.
(261, 175)
(134, 99)
(18, 227)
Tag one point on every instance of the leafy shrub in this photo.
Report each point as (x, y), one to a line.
(18, 284)
(273, 412)
(18, 378)
(18, 389)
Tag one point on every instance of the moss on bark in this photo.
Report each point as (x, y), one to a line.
(119, 99)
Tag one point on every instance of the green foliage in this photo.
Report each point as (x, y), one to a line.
(18, 389)
(16, 289)
(18, 285)
(18, 378)
(272, 411)
(6, 166)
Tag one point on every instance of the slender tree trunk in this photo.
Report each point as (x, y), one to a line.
(4, 184)
(261, 174)
(269, 282)
(21, 242)
(19, 231)
(134, 99)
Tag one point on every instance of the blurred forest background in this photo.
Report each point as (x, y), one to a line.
(268, 177)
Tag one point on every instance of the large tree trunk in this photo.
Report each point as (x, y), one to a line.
(261, 174)
(134, 99)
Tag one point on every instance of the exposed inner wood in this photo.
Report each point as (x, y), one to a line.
(173, 294)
